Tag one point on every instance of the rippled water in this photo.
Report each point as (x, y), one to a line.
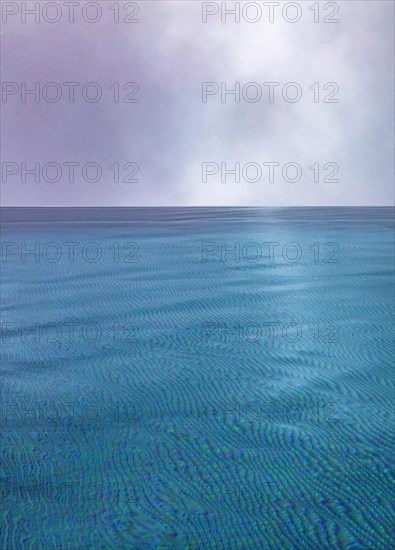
(198, 378)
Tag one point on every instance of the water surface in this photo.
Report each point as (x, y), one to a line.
(202, 378)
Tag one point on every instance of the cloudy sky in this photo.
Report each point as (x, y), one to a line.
(170, 132)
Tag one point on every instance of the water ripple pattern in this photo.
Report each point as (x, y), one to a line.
(197, 378)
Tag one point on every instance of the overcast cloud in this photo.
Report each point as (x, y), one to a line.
(170, 132)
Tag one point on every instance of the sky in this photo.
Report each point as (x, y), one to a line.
(179, 144)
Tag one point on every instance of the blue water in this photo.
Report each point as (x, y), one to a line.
(171, 380)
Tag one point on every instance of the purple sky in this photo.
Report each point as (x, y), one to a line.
(170, 132)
